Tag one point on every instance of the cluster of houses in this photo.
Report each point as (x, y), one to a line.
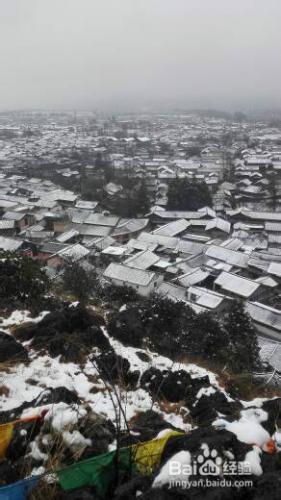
(205, 258)
(207, 262)
(197, 257)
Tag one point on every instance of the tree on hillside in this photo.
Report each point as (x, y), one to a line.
(133, 200)
(167, 325)
(157, 323)
(193, 151)
(244, 349)
(273, 192)
(207, 339)
(22, 281)
(185, 194)
(79, 282)
(174, 330)
(142, 202)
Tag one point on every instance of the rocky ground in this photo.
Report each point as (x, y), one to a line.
(95, 394)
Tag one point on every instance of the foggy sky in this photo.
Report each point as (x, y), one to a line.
(136, 53)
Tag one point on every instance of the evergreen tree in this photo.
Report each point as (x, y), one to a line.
(133, 200)
(79, 282)
(157, 323)
(207, 339)
(184, 194)
(142, 202)
(272, 189)
(244, 349)
(22, 281)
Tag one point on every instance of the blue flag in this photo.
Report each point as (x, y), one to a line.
(19, 490)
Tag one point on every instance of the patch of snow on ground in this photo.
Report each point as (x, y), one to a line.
(158, 361)
(248, 431)
(18, 317)
(168, 473)
(47, 373)
(253, 458)
(62, 415)
(36, 453)
(75, 441)
(205, 391)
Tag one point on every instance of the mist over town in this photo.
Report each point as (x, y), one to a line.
(140, 250)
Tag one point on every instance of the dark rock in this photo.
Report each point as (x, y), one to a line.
(128, 490)
(205, 409)
(267, 487)
(273, 407)
(48, 396)
(200, 382)
(25, 331)
(172, 386)
(70, 332)
(101, 433)
(271, 463)
(78, 494)
(151, 380)
(176, 385)
(143, 356)
(56, 395)
(10, 349)
(115, 369)
(147, 425)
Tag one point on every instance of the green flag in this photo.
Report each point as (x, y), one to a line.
(101, 471)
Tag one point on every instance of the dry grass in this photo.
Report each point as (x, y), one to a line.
(244, 383)
(16, 328)
(177, 408)
(7, 366)
(46, 488)
(4, 391)
(209, 365)
(247, 387)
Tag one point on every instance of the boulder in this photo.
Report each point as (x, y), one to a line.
(71, 332)
(151, 380)
(206, 409)
(271, 463)
(132, 488)
(101, 432)
(10, 349)
(115, 369)
(47, 396)
(267, 487)
(78, 494)
(146, 426)
(273, 408)
(174, 386)
(143, 356)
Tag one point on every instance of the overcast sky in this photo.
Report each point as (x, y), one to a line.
(136, 53)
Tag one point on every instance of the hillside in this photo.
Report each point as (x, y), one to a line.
(76, 395)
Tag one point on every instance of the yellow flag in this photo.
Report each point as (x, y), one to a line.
(6, 433)
(147, 455)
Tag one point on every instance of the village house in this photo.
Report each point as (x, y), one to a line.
(20, 219)
(143, 282)
(239, 287)
(266, 319)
